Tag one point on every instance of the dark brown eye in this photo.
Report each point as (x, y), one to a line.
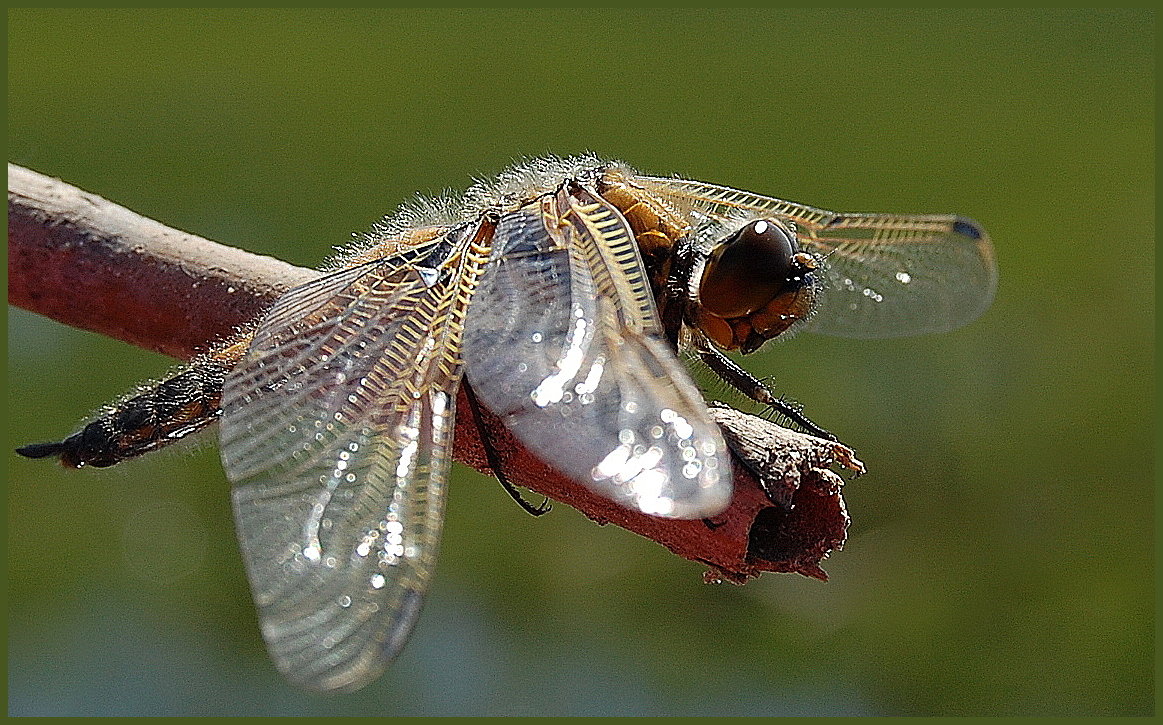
(748, 269)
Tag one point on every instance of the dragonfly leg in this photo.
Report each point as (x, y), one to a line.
(755, 389)
(494, 458)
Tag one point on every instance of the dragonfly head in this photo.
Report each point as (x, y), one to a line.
(755, 285)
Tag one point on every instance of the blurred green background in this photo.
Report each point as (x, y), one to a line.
(1001, 553)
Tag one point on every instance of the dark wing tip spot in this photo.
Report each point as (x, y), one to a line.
(968, 228)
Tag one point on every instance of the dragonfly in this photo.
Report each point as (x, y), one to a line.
(564, 292)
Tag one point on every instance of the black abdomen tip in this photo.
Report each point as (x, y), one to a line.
(41, 450)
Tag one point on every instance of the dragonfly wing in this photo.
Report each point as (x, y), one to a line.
(565, 347)
(894, 275)
(335, 434)
(885, 275)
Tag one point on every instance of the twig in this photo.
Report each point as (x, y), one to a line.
(92, 264)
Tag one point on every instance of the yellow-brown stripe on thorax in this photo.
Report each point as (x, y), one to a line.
(656, 227)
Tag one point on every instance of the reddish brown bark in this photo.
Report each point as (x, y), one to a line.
(92, 264)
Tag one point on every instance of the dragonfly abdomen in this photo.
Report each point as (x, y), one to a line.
(160, 415)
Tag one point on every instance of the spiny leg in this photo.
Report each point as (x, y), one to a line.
(494, 458)
(755, 389)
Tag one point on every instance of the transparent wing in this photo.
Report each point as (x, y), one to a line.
(335, 434)
(885, 275)
(564, 345)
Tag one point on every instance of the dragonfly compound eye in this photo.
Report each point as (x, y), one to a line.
(748, 269)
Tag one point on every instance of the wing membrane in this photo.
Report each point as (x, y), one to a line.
(885, 275)
(335, 434)
(565, 346)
